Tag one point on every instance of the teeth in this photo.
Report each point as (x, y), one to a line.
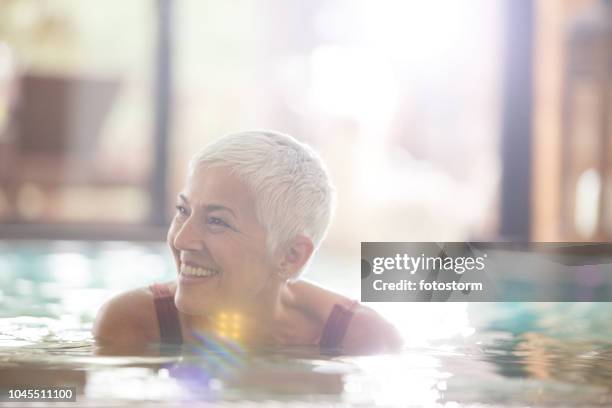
(195, 271)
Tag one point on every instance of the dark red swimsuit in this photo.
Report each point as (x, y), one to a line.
(170, 328)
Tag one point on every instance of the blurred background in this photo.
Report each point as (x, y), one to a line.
(439, 120)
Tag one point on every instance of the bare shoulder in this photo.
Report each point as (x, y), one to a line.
(127, 319)
(315, 299)
(368, 331)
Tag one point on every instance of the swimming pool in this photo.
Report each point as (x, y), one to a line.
(478, 354)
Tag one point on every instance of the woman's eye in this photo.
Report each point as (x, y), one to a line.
(216, 221)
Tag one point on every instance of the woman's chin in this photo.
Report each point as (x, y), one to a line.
(190, 306)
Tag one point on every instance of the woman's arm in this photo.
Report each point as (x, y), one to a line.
(126, 322)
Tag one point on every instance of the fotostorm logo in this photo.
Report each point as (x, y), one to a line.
(413, 264)
(485, 272)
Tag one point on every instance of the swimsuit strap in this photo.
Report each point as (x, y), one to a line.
(335, 327)
(167, 314)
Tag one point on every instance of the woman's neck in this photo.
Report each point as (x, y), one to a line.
(254, 322)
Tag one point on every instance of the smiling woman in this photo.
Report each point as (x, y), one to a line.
(254, 210)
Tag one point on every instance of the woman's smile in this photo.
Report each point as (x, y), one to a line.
(190, 273)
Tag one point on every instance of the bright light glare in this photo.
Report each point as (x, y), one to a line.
(411, 378)
(352, 82)
(586, 214)
(423, 33)
(422, 323)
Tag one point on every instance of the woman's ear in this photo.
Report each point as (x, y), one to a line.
(295, 256)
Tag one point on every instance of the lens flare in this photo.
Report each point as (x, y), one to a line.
(228, 325)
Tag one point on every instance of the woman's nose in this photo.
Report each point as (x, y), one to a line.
(188, 238)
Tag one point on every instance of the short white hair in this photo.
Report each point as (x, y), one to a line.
(288, 179)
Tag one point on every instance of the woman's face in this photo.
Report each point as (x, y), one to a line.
(215, 232)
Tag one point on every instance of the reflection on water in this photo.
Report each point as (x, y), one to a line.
(485, 354)
(487, 368)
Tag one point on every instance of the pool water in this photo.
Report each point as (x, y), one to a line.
(479, 354)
